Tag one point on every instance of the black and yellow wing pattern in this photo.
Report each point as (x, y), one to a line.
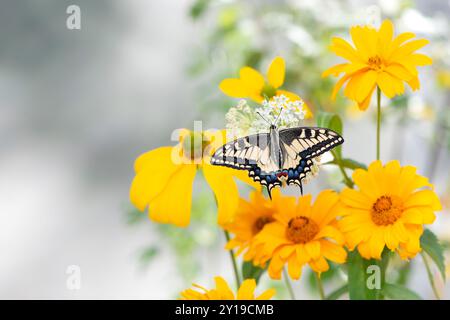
(297, 148)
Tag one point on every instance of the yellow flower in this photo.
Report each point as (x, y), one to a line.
(250, 218)
(377, 59)
(389, 209)
(443, 77)
(164, 178)
(303, 233)
(251, 84)
(223, 292)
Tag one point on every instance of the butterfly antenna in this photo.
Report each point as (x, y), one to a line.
(259, 114)
(279, 115)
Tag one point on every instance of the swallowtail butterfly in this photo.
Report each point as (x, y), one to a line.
(278, 156)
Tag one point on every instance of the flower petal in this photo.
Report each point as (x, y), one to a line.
(294, 267)
(252, 79)
(343, 49)
(367, 82)
(245, 292)
(275, 73)
(221, 181)
(399, 71)
(320, 265)
(333, 252)
(223, 288)
(266, 295)
(385, 36)
(235, 88)
(173, 204)
(313, 249)
(153, 166)
(408, 48)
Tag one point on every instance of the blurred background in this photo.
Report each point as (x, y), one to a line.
(78, 106)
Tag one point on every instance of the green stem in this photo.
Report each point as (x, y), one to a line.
(378, 121)
(288, 284)
(383, 264)
(430, 276)
(320, 286)
(233, 261)
(347, 180)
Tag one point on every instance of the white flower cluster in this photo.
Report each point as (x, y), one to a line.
(280, 110)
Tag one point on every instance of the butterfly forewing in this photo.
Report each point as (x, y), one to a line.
(309, 142)
(242, 153)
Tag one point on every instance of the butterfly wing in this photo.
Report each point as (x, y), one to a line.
(243, 153)
(300, 146)
(309, 142)
(250, 153)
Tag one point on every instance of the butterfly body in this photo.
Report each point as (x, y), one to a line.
(278, 157)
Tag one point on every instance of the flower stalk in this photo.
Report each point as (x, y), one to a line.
(320, 286)
(233, 261)
(430, 276)
(288, 284)
(378, 121)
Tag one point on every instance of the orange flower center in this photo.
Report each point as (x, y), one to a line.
(260, 223)
(376, 63)
(301, 229)
(386, 210)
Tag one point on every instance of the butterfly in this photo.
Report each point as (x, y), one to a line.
(279, 156)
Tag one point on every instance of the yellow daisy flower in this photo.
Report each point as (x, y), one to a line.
(389, 209)
(164, 178)
(223, 292)
(250, 218)
(252, 84)
(377, 59)
(303, 233)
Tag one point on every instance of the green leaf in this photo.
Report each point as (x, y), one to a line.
(198, 8)
(250, 271)
(348, 163)
(336, 294)
(353, 164)
(148, 254)
(430, 244)
(331, 121)
(357, 277)
(396, 292)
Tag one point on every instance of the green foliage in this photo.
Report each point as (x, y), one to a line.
(331, 274)
(336, 294)
(397, 292)
(250, 271)
(430, 244)
(148, 254)
(134, 216)
(198, 8)
(333, 122)
(357, 287)
(348, 163)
